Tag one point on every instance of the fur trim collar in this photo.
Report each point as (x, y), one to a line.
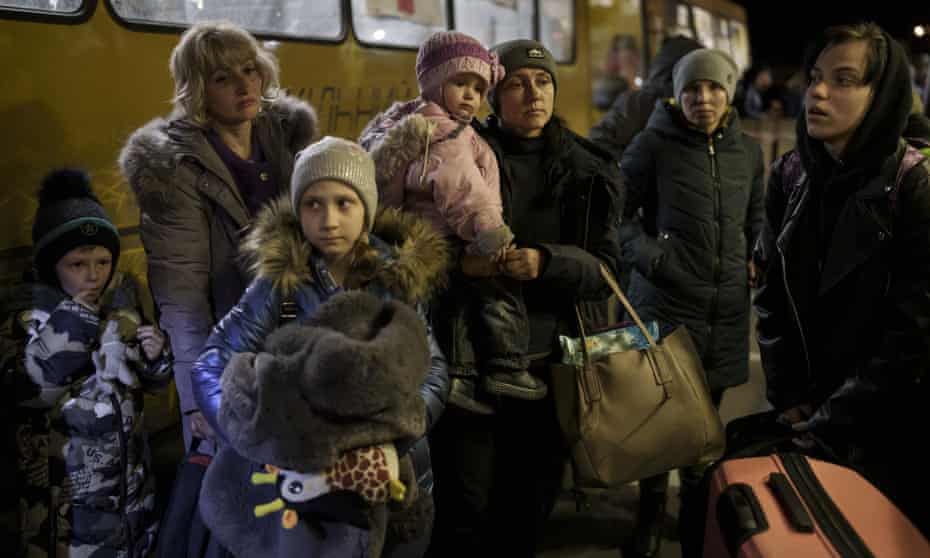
(159, 145)
(404, 254)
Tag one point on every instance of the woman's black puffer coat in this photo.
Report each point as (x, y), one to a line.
(702, 201)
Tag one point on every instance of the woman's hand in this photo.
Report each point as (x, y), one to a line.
(152, 340)
(753, 274)
(796, 415)
(523, 264)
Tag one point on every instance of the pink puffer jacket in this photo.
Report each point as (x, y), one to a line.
(459, 188)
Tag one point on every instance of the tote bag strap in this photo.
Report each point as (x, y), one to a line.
(609, 278)
(582, 335)
(592, 387)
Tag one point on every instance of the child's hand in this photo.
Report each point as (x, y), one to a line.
(88, 298)
(152, 340)
(524, 264)
(200, 428)
(501, 254)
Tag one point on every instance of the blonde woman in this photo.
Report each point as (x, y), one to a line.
(200, 176)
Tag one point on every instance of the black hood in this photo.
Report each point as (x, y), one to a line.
(660, 69)
(877, 136)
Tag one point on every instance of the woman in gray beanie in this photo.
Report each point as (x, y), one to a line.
(325, 237)
(699, 181)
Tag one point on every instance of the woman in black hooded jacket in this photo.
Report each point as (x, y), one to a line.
(844, 316)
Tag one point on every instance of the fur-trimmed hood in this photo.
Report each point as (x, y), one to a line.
(402, 134)
(396, 137)
(404, 254)
(159, 145)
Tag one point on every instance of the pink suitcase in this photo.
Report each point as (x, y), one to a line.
(787, 505)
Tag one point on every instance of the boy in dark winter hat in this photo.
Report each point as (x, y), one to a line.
(431, 162)
(83, 358)
(305, 404)
(69, 216)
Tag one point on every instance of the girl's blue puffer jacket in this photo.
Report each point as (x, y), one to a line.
(404, 259)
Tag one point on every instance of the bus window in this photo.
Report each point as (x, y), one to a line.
(319, 19)
(557, 29)
(704, 24)
(683, 21)
(51, 6)
(739, 44)
(495, 21)
(403, 23)
(722, 36)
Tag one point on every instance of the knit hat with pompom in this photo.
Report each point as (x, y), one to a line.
(69, 216)
(447, 53)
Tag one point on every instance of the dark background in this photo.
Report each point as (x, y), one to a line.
(779, 29)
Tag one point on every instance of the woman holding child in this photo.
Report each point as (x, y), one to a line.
(498, 476)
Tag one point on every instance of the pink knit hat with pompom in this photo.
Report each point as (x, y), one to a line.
(446, 53)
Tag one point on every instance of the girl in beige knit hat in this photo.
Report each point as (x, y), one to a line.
(326, 236)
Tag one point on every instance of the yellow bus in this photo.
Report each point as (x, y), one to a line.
(81, 75)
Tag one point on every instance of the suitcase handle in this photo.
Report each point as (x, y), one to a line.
(790, 503)
(740, 516)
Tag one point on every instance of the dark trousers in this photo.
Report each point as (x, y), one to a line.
(887, 453)
(497, 478)
(691, 513)
(482, 324)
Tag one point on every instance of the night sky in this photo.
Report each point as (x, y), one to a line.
(778, 29)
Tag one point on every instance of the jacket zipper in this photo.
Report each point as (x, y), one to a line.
(712, 153)
(123, 489)
(827, 515)
(794, 308)
(587, 214)
(54, 497)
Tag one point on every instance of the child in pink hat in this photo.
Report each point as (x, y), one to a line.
(429, 160)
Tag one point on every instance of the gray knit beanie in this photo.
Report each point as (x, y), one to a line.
(336, 159)
(705, 63)
(522, 53)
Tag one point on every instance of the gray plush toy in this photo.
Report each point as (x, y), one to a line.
(311, 424)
